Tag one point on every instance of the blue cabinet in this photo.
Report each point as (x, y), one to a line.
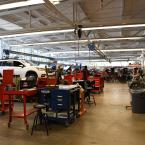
(63, 103)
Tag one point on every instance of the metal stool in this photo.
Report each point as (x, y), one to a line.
(89, 94)
(42, 117)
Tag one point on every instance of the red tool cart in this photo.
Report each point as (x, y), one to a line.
(78, 76)
(69, 78)
(7, 81)
(99, 84)
(42, 82)
(3, 99)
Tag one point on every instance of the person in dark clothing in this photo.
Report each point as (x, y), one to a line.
(86, 73)
(58, 75)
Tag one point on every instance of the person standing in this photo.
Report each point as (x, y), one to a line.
(58, 75)
(86, 73)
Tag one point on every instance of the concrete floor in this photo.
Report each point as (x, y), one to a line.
(107, 123)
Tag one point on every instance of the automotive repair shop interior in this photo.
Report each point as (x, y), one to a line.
(72, 72)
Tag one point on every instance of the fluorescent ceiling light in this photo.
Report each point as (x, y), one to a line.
(20, 4)
(119, 39)
(26, 3)
(115, 27)
(38, 33)
(67, 52)
(72, 30)
(55, 2)
(48, 43)
(6, 25)
(120, 50)
(81, 41)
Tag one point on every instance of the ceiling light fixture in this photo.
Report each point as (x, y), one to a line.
(115, 27)
(111, 50)
(81, 41)
(37, 33)
(71, 30)
(20, 4)
(67, 52)
(25, 3)
(121, 50)
(55, 2)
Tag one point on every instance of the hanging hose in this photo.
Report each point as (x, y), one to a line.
(79, 32)
(89, 55)
(78, 47)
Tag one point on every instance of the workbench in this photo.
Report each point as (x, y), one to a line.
(80, 82)
(23, 115)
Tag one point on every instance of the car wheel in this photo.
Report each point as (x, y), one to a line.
(31, 75)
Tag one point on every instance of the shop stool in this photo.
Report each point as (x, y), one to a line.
(42, 117)
(90, 94)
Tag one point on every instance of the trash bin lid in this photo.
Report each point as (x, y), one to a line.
(137, 91)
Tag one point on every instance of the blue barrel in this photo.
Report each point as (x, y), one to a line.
(138, 101)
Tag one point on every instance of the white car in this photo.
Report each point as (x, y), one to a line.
(21, 68)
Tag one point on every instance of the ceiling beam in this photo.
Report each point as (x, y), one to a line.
(47, 19)
(106, 4)
(133, 8)
(138, 32)
(28, 54)
(51, 7)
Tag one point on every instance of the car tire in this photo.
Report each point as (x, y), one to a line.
(31, 74)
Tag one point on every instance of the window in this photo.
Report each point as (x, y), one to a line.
(7, 63)
(1, 63)
(18, 64)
